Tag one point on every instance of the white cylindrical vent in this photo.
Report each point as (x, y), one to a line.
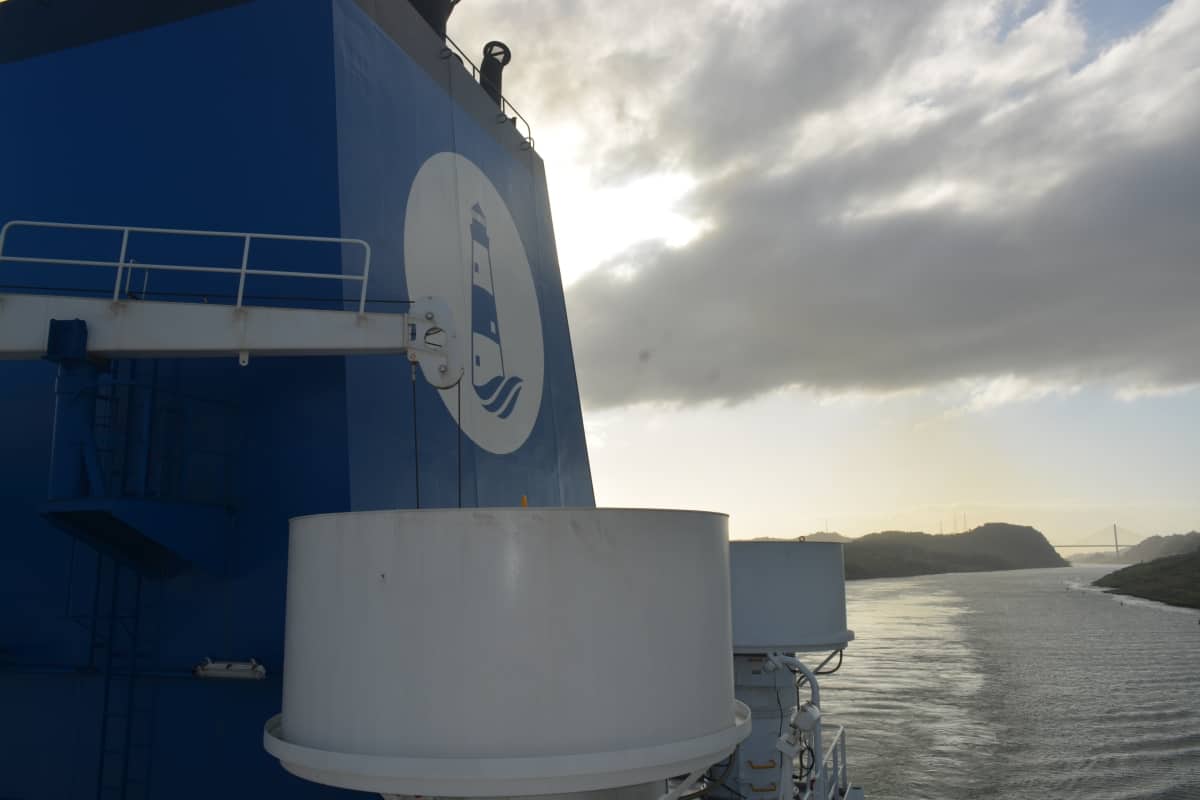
(501, 652)
(788, 596)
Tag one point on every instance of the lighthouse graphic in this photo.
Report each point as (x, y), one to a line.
(471, 253)
(497, 390)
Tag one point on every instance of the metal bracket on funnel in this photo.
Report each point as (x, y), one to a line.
(433, 343)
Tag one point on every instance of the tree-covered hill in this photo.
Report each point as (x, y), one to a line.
(1174, 580)
(994, 546)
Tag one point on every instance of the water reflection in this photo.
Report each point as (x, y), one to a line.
(1017, 684)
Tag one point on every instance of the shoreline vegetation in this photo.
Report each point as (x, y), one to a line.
(902, 554)
(997, 546)
(991, 547)
(1174, 580)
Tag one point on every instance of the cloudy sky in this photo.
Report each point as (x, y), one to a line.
(870, 264)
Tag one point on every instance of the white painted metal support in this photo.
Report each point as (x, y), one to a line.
(149, 329)
(806, 718)
(788, 597)
(791, 662)
(119, 328)
(120, 260)
(684, 785)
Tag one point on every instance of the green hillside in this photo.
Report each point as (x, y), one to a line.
(1174, 580)
(994, 546)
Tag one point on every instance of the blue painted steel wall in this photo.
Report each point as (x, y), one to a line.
(240, 119)
(392, 117)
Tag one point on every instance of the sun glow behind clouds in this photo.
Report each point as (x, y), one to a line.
(953, 268)
(594, 223)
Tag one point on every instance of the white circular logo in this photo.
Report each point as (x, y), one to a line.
(462, 246)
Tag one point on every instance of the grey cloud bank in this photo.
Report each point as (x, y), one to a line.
(896, 194)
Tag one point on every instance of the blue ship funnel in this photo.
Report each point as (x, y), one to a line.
(163, 540)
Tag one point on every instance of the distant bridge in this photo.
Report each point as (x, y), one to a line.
(1105, 537)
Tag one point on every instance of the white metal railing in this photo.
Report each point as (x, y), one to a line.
(833, 779)
(834, 767)
(124, 266)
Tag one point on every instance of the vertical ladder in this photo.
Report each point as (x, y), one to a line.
(120, 642)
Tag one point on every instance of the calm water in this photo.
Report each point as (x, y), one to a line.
(1018, 684)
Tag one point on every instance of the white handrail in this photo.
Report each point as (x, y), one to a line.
(122, 263)
(836, 779)
(835, 758)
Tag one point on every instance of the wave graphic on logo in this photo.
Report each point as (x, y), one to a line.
(496, 389)
(505, 400)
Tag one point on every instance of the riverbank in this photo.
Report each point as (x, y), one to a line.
(1174, 580)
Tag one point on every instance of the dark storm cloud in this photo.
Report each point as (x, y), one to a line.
(897, 194)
